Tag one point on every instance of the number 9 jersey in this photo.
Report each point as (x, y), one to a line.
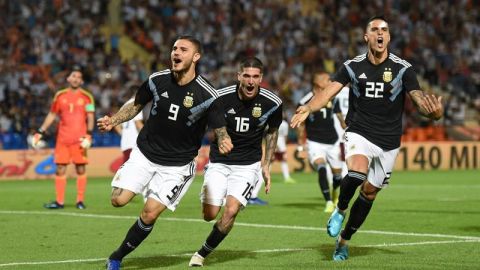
(178, 117)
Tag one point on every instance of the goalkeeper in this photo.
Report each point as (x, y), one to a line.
(74, 107)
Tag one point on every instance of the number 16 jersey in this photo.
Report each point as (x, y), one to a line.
(246, 121)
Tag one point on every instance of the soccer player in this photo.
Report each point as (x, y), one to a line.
(280, 155)
(281, 152)
(164, 158)
(379, 81)
(342, 98)
(249, 110)
(75, 107)
(322, 140)
(129, 130)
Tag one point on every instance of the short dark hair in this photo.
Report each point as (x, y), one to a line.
(76, 68)
(196, 42)
(376, 17)
(319, 73)
(251, 62)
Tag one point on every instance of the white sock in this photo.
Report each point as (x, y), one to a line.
(286, 173)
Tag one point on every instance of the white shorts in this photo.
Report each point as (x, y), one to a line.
(221, 180)
(281, 144)
(329, 152)
(380, 162)
(166, 184)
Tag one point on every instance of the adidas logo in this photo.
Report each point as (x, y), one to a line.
(164, 94)
(363, 76)
(231, 111)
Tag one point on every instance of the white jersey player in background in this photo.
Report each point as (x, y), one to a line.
(342, 97)
(280, 155)
(129, 130)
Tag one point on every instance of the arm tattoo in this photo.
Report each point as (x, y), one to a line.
(126, 113)
(270, 144)
(417, 97)
(221, 134)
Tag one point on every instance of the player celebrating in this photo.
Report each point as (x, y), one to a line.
(249, 109)
(163, 161)
(322, 140)
(75, 107)
(379, 81)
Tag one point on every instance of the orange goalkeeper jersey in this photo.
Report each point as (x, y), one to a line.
(72, 107)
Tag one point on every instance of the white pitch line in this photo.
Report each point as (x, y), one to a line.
(278, 250)
(51, 262)
(168, 255)
(422, 243)
(289, 227)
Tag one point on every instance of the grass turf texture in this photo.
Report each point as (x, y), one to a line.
(424, 220)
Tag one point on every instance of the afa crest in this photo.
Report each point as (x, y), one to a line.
(329, 105)
(387, 75)
(257, 110)
(188, 100)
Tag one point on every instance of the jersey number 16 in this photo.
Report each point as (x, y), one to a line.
(242, 124)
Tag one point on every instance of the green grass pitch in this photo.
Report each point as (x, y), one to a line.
(424, 220)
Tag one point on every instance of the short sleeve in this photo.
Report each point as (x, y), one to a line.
(342, 75)
(410, 81)
(55, 108)
(276, 119)
(144, 94)
(216, 116)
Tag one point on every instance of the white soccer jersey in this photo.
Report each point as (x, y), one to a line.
(282, 137)
(129, 130)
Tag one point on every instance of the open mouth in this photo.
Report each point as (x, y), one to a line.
(250, 88)
(380, 42)
(177, 60)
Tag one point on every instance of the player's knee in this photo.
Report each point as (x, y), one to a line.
(209, 214)
(230, 212)
(149, 217)
(117, 202)
(369, 193)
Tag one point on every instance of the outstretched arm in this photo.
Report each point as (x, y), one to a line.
(316, 103)
(223, 140)
(271, 138)
(126, 113)
(428, 105)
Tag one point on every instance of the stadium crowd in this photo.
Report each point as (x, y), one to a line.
(44, 39)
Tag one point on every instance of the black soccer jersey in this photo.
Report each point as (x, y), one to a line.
(320, 126)
(377, 96)
(178, 118)
(246, 122)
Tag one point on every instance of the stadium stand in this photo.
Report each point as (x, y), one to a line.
(118, 42)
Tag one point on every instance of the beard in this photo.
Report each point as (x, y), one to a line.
(186, 67)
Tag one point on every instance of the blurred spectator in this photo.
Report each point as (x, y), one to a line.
(440, 38)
